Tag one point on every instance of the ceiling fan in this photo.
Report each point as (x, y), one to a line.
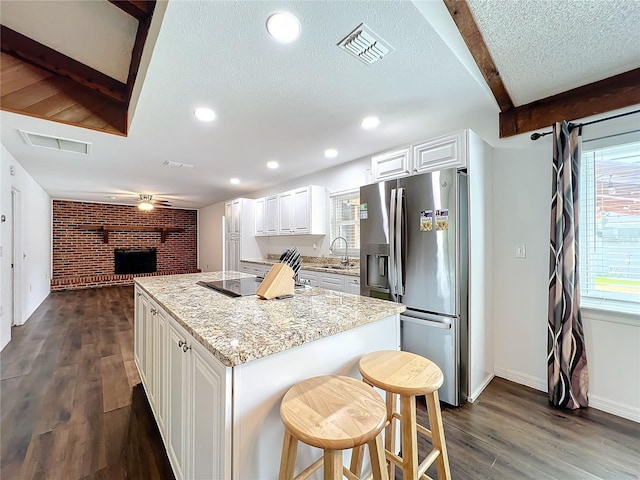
(147, 202)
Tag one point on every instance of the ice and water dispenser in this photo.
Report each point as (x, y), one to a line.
(376, 271)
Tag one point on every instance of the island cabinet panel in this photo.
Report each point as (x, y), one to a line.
(259, 385)
(177, 366)
(140, 326)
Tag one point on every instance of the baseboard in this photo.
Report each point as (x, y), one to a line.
(522, 379)
(615, 408)
(599, 403)
(476, 393)
(4, 343)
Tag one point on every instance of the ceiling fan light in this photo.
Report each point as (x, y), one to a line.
(145, 206)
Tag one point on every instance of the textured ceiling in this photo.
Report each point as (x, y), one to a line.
(289, 102)
(544, 47)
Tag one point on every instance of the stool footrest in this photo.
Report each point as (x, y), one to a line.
(306, 473)
(423, 430)
(428, 461)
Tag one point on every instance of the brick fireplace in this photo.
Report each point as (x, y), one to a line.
(86, 236)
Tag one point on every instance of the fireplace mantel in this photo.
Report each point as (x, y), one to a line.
(105, 229)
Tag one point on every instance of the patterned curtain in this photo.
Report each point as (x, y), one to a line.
(567, 373)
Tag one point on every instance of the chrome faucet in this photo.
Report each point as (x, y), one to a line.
(345, 259)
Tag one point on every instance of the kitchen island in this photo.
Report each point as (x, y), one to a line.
(215, 368)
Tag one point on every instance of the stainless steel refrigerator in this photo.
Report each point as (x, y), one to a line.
(414, 250)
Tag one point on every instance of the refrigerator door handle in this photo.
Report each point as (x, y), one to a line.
(399, 237)
(393, 282)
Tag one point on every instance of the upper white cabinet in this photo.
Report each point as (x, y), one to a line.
(448, 151)
(391, 164)
(258, 211)
(232, 211)
(271, 215)
(301, 211)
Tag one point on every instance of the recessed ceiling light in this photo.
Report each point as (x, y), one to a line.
(112, 197)
(205, 114)
(272, 165)
(235, 181)
(369, 123)
(331, 153)
(283, 26)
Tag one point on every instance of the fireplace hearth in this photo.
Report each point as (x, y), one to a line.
(135, 260)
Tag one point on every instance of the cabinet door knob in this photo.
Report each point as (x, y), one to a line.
(138, 294)
(185, 348)
(181, 343)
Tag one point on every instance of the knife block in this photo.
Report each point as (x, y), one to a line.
(277, 282)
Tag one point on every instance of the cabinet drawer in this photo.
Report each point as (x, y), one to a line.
(331, 282)
(308, 278)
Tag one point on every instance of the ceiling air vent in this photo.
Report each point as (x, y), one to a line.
(364, 44)
(169, 163)
(55, 143)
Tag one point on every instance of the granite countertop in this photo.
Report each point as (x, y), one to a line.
(238, 330)
(317, 265)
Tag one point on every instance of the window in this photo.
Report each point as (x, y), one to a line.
(609, 227)
(345, 222)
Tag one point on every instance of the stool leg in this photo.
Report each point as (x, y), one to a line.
(378, 463)
(437, 434)
(409, 437)
(390, 432)
(357, 455)
(333, 465)
(288, 460)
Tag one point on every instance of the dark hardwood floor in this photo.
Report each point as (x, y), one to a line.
(71, 408)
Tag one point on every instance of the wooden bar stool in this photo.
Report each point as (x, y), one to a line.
(334, 413)
(407, 375)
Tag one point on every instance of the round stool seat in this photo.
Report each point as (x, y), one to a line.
(333, 412)
(401, 372)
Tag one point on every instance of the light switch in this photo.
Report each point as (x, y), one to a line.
(521, 251)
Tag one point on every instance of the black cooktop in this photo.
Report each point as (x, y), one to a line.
(238, 287)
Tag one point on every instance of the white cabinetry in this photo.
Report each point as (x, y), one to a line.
(257, 269)
(331, 281)
(394, 164)
(239, 236)
(191, 392)
(449, 151)
(352, 285)
(285, 216)
(301, 211)
(259, 216)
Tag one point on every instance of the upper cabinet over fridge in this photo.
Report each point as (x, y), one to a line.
(447, 151)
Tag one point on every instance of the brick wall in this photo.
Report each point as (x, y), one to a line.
(81, 259)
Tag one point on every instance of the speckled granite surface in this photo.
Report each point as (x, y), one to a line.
(238, 330)
(315, 264)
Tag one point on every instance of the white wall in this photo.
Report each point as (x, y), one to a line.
(522, 189)
(210, 238)
(34, 258)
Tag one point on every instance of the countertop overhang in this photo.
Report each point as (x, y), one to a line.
(242, 329)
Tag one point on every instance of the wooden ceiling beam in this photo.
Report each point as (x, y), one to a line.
(136, 8)
(612, 93)
(461, 14)
(144, 25)
(39, 55)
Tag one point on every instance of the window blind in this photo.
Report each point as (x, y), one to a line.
(609, 229)
(345, 221)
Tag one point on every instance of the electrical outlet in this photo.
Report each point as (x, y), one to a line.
(521, 251)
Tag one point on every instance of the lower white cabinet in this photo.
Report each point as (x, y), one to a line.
(352, 285)
(331, 281)
(189, 391)
(257, 269)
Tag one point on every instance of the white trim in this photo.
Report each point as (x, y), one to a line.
(345, 192)
(475, 394)
(615, 408)
(522, 378)
(601, 314)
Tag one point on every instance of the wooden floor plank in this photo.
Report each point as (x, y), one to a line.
(72, 407)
